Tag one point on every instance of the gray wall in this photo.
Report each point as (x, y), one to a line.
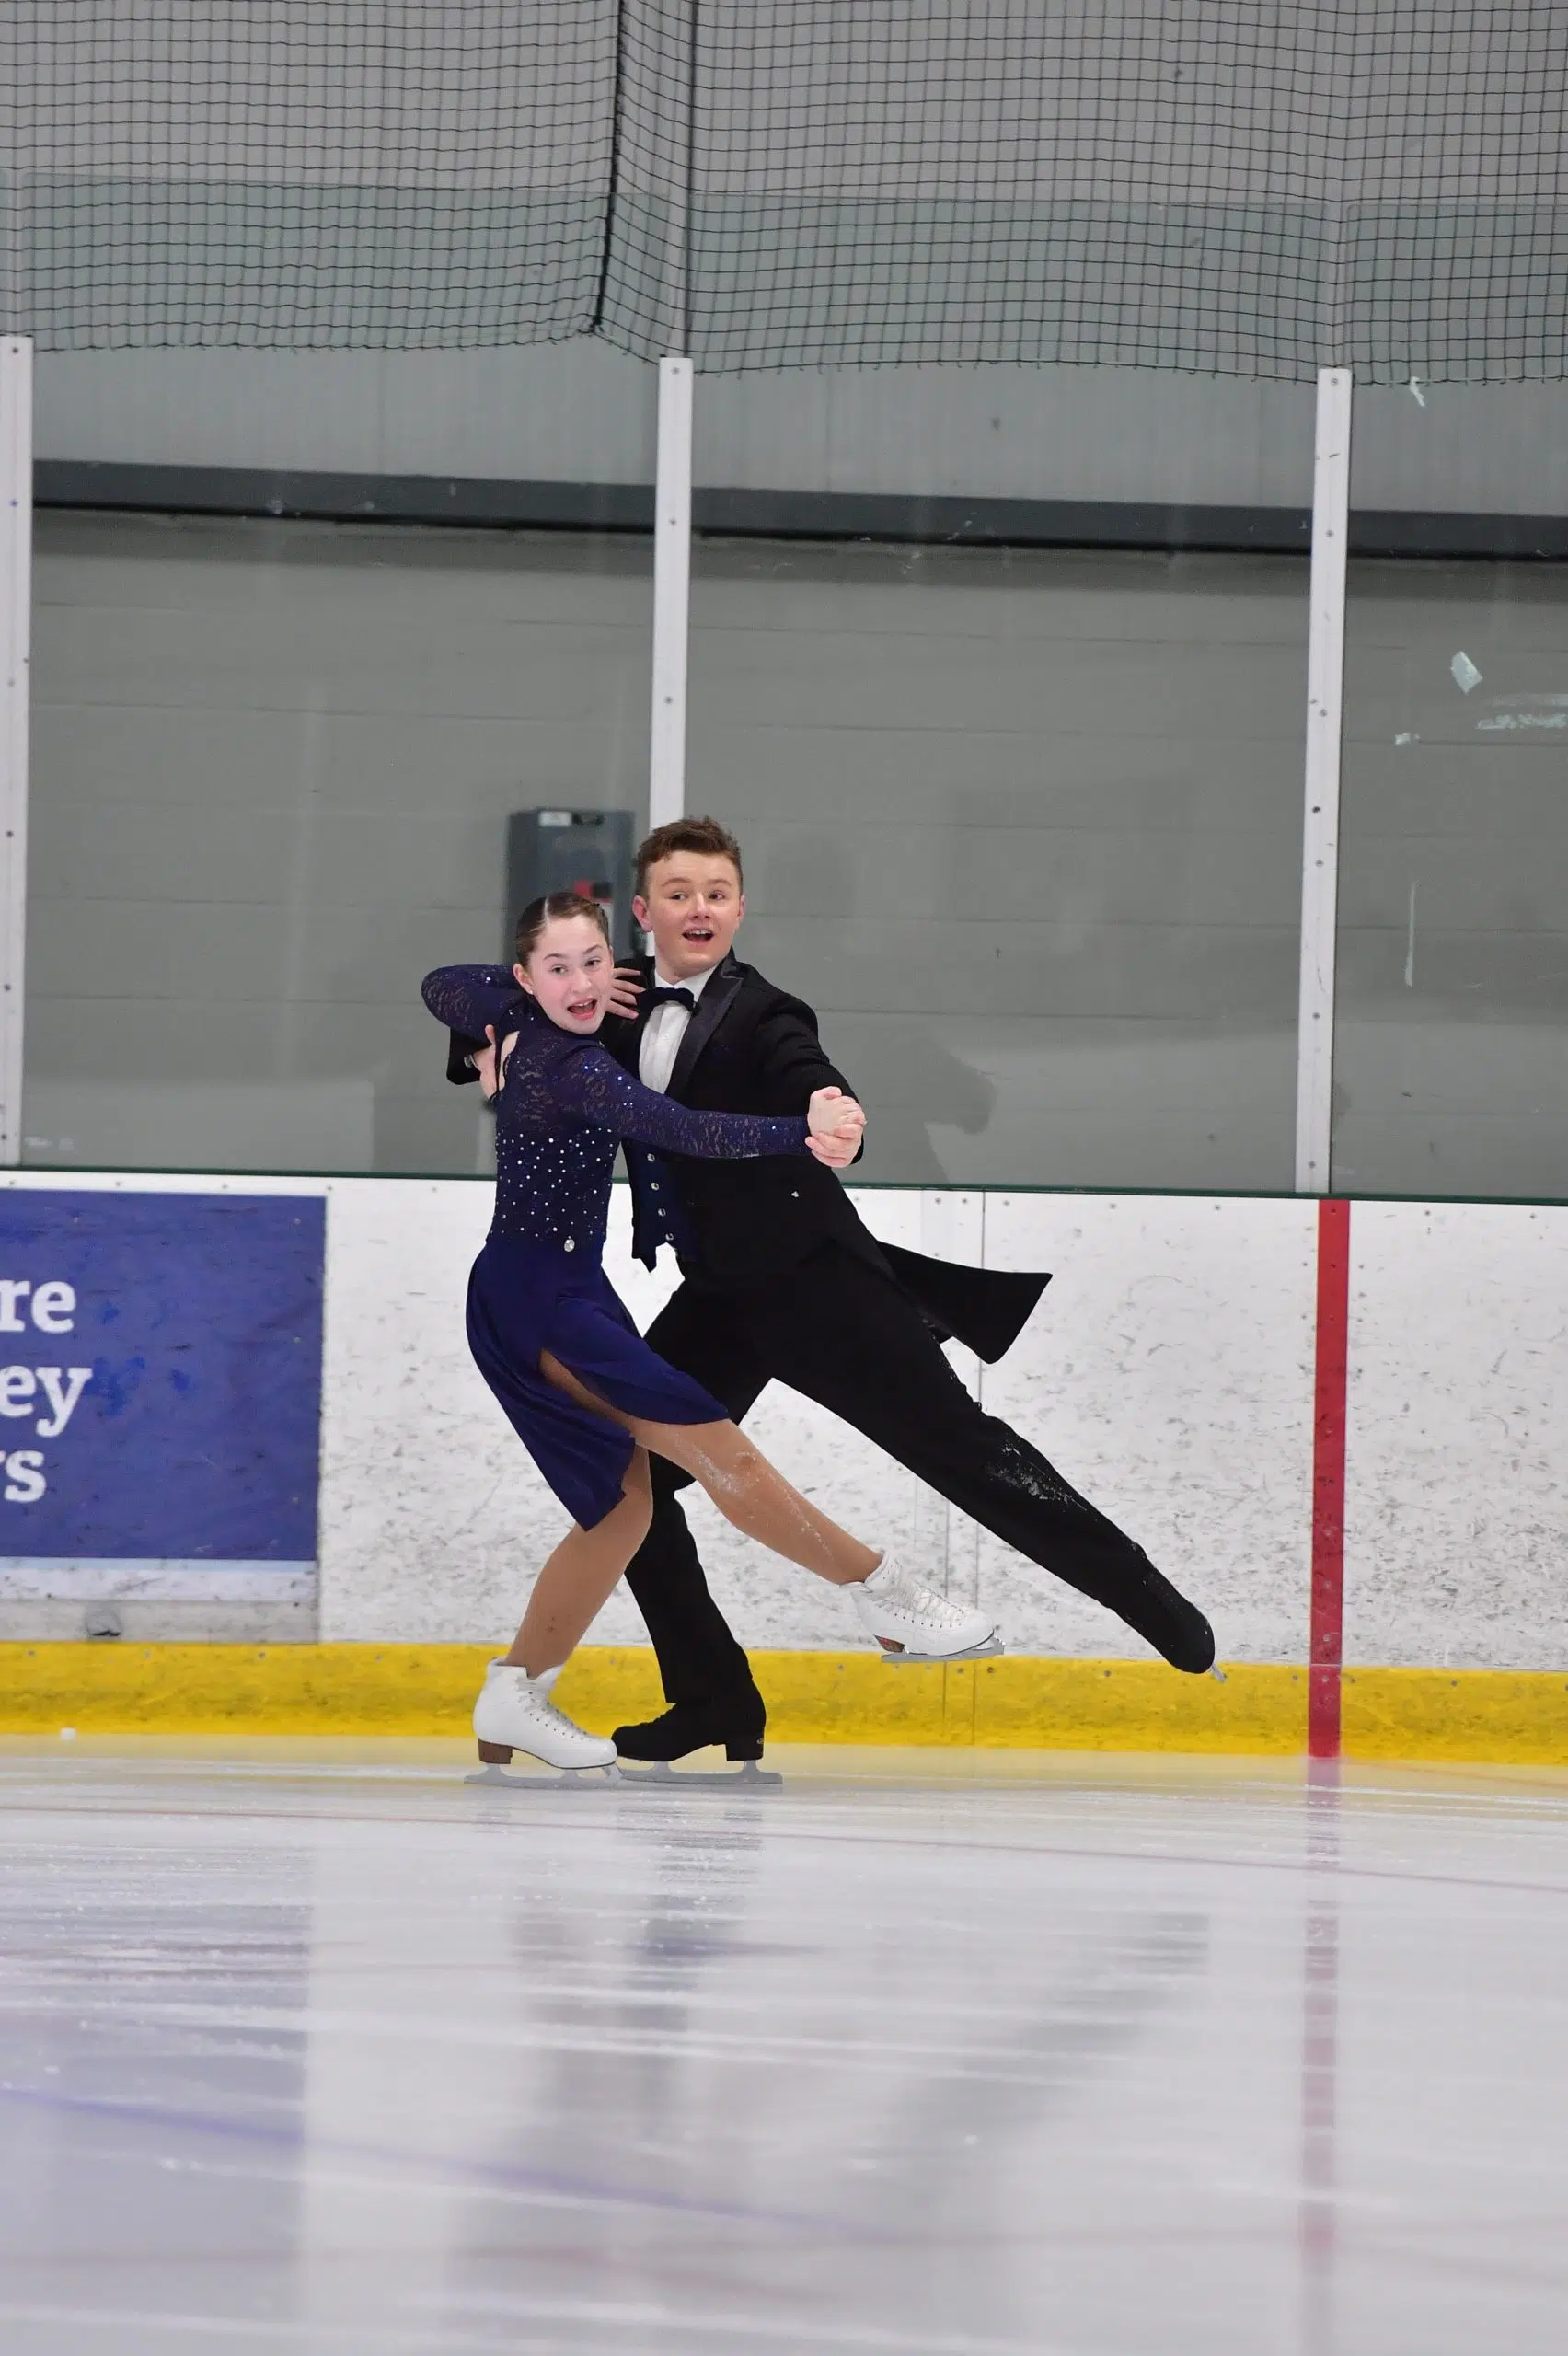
(1022, 827)
(584, 412)
(1451, 1066)
(271, 770)
(1025, 826)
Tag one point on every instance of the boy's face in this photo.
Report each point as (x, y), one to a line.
(693, 909)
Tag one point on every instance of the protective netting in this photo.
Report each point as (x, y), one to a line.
(1253, 187)
(306, 172)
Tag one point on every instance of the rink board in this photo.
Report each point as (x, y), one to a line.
(1169, 1372)
(1257, 1709)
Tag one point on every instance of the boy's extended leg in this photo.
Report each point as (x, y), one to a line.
(843, 1334)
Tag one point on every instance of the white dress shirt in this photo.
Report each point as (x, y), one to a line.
(664, 1030)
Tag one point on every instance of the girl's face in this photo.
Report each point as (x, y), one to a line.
(569, 971)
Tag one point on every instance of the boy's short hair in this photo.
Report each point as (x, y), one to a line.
(687, 834)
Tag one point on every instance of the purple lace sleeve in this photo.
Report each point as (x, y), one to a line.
(467, 997)
(591, 1086)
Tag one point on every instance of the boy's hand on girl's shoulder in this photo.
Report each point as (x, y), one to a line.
(627, 990)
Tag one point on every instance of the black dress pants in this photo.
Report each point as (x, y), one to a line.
(839, 1329)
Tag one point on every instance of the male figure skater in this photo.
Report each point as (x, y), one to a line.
(783, 1281)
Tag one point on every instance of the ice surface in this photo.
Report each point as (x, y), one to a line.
(314, 2047)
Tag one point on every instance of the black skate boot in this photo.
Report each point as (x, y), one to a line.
(735, 1719)
(1162, 1614)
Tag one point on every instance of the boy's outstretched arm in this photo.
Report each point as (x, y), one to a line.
(793, 1061)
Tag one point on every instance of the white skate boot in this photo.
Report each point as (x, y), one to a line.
(912, 1622)
(515, 1713)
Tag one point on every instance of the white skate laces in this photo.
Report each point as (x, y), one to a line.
(911, 1622)
(515, 1711)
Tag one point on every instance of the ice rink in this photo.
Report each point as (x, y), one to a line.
(312, 2047)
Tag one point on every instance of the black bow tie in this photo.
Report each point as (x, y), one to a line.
(661, 995)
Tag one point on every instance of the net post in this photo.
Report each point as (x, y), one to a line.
(671, 593)
(15, 632)
(1319, 841)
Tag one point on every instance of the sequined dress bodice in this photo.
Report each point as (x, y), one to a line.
(564, 1108)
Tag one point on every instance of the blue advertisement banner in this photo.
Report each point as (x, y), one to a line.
(160, 1376)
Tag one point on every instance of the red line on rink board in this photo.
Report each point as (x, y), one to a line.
(1326, 1649)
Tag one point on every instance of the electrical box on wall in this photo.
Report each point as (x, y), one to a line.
(571, 850)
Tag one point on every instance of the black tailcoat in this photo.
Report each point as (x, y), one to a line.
(750, 1047)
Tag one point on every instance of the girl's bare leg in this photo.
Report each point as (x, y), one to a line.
(580, 1574)
(742, 1485)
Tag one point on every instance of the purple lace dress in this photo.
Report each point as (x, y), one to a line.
(538, 1284)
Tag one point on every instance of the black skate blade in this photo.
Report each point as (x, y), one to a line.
(570, 1779)
(987, 1651)
(747, 1777)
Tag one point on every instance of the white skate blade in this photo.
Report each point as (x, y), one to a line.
(569, 1779)
(987, 1651)
(747, 1777)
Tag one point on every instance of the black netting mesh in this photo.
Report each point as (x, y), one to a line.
(306, 172)
(1256, 186)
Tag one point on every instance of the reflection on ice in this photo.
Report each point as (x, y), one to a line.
(321, 2048)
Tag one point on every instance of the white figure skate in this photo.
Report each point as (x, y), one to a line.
(912, 1622)
(515, 1713)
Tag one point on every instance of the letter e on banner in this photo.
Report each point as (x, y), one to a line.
(53, 1308)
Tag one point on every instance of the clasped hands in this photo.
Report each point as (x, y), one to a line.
(837, 1125)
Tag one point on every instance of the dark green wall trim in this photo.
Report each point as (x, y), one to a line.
(480, 504)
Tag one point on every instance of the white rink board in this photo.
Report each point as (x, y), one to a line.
(1168, 1372)
(1456, 1510)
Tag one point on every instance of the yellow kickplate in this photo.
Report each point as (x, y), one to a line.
(236, 1689)
(1024, 1702)
(1514, 1715)
(1032, 1703)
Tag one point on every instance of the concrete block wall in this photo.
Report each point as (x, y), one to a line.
(1169, 1372)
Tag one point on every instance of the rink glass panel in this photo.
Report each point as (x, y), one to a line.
(1453, 943)
(1025, 826)
(272, 768)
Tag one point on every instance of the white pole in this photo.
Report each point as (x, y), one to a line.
(671, 593)
(1320, 842)
(16, 634)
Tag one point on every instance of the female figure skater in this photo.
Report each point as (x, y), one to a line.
(584, 1391)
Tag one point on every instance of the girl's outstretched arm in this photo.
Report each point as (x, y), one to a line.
(591, 1086)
